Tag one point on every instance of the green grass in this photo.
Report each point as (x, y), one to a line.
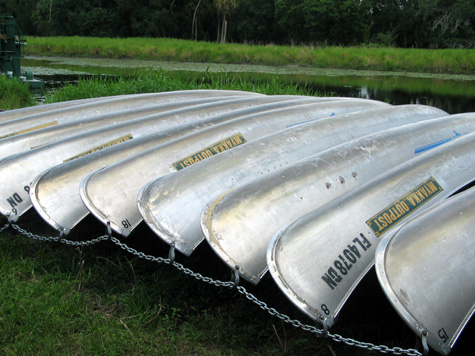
(452, 61)
(14, 94)
(99, 300)
(159, 81)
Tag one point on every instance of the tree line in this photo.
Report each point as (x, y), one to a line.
(401, 23)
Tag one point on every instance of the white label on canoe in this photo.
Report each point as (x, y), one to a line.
(31, 129)
(101, 147)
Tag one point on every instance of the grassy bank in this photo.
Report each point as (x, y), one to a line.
(160, 81)
(99, 300)
(14, 94)
(451, 61)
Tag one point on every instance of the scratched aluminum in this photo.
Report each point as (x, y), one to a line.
(19, 170)
(116, 104)
(39, 109)
(319, 259)
(55, 132)
(240, 223)
(111, 193)
(426, 270)
(172, 206)
(60, 183)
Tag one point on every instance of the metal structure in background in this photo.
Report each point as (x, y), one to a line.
(12, 42)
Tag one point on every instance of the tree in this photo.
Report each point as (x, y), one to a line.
(403, 23)
(254, 21)
(453, 23)
(289, 15)
(194, 26)
(339, 22)
(225, 7)
(22, 11)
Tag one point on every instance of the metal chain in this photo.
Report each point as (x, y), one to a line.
(177, 265)
(322, 332)
(57, 238)
(4, 227)
(240, 289)
(271, 311)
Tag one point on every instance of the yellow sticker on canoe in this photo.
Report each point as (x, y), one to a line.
(400, 209)
(209, 151)
(101, 147)
(31, 129)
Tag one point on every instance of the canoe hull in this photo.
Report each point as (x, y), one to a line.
(241, 223)
(426, 270)
(320, 258)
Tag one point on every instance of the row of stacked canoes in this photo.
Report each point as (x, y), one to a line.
(313, 190)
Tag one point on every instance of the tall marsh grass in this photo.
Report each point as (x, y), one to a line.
(450, 61)
(160, 81)
(14, 94)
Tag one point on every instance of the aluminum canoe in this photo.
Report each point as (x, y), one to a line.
(17, 171)
(78, 112)
(48, 135)
(59, 184)
(427, 270)
(320, 258)
(240, 223)
(20, 169)
(172, 206)
(111, 193)
(42, 108)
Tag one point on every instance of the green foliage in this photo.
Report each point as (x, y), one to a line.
(408, 23)
(160, 81)
(14, 94)
(380, 58)
(325, 21)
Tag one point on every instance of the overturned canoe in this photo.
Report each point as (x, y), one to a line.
(319, 259)
(172, 205)
(150, 113)
(77, 112)
(20, 169)
(60, 183)
(240, 223)
(111, 193)
(39, 109)
(427, 270)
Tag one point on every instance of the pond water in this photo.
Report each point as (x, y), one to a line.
(452, 93)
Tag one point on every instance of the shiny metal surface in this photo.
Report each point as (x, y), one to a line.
(427, 270)
(172, 206)
(78, 112)
(19, 170)
(42, 108)
(60, 183)
(319, 259)
(49, 135)
(240, 223)
(111, 193)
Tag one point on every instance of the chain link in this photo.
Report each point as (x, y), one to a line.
(57, 238)
(177, 265)
(229, 284)
(271, 311)
(4, 227)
